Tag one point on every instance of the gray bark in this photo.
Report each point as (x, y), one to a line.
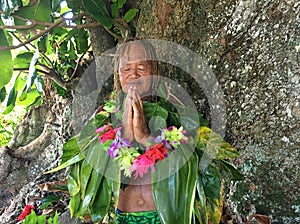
(253, 49)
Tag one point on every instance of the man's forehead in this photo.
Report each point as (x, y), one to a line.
(133, 59)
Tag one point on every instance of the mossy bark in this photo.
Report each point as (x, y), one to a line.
(253, 48)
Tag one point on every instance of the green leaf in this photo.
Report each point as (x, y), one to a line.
(41, 219)
(55, 221)
(96, 156)
(90, 193)
(74, 180)
(178, 189)
(153, 110)
(23, 60)
(12, 96)
(121, 3)
(68, 163)
(48, 200)
(211, 180)
(114, 10)
(202, 203)
(70, 149)
(230, 168)
(130, 14)
(215, 145)
(30, 98)
(98, 10)
(81, 39)
(85, 173)
(102, 201)
(214, 209)
(157, 123)
(32, 75)
(74, 204)
(55, 5)
(40, 11)
(6, 63)
(2, 94)
(73, 4)
(60, 91)
(42, 43)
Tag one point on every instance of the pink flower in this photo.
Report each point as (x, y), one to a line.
(153, 154)
(26, 211)
(141, 165)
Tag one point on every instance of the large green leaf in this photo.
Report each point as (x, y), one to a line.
(96, 156)
(40, 11)
(202, 214)
(74, 179)
(12, 96)
(174, 196)
(102, 200)
(153, 110)
(232, 170)
(98, 10)
(211, 180)
(32, 75)
(23, 60)
(6, 63)
(214, 144)
(214, 208)
(68, 163)
(70, 149)
(85, 173)
(74, 204)
(88, 198)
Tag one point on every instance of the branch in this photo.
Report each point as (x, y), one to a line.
(50, 73)
(26, 27)
(59, 21)
(78, 61)
(51, 26)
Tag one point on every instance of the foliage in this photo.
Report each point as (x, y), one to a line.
(8, 124)
(93, 173)
(47, 40)
(33, 218)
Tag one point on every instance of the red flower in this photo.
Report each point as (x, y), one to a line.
(109, 134)
(26, 211)
(153, 154)
(157, 152)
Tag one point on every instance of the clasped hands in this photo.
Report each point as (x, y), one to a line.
(133, 120)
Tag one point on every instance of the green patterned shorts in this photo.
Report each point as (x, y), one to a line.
(149, 217)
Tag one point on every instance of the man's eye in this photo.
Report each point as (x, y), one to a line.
(126, 69)
(142, 68)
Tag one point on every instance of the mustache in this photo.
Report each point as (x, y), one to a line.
(134, 83)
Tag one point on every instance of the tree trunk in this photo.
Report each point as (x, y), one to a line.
(253, 49)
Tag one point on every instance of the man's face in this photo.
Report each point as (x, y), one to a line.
(135, 70)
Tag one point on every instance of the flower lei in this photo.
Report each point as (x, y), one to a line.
(129, 158)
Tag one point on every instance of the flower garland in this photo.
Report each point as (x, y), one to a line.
(129, 158)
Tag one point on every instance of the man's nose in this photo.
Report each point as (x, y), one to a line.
(135, 73)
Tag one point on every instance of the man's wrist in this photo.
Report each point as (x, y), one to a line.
(146, 141)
